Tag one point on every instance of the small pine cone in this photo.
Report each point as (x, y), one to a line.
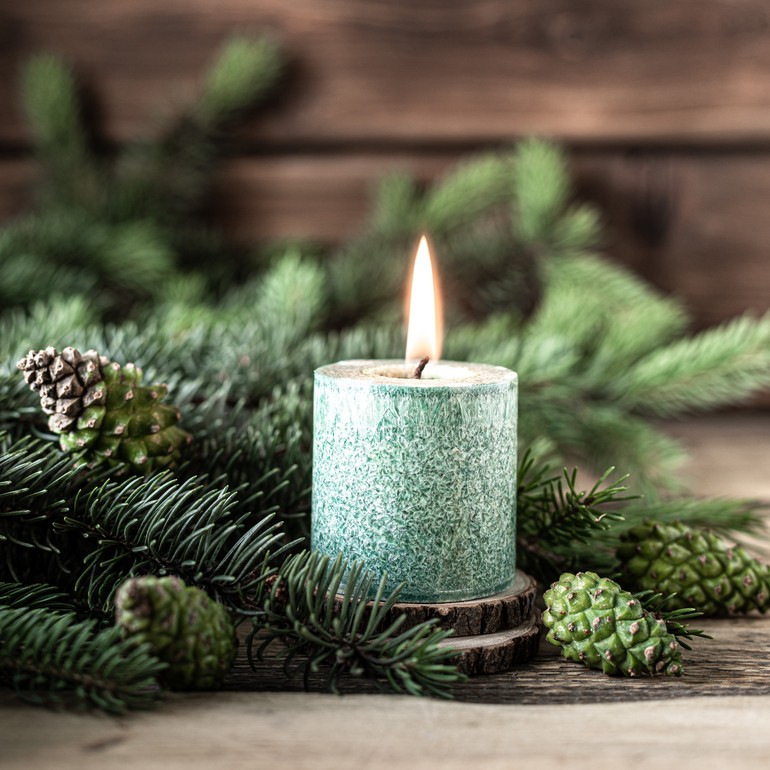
(696, 565)
(182, 625)
(597, 623)
(101, 408)
(68, 382)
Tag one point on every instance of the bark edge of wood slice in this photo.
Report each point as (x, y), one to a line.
(493, 653)
(503, 611)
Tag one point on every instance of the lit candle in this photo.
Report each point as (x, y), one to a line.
(414, 472)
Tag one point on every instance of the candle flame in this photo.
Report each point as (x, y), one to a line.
(423, 337)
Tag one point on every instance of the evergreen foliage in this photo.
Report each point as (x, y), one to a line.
(119, 230)
(50, 658)
(33, 596)
(660, 606)
(341, 635)
(554, 515)
(114, 259)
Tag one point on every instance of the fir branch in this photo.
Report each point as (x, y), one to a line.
(25, 276)
(126, 257)
(553, 515)
(717, 367)
(608, 314)
(263, 452)
(36, 482)
(165, 180)
(49, 658)
(397, 206)
(343, 634)
(577, 231)
(364, 277)
(541, 188)
(504, 274)
(290, 297)
(159, 526)
(596, 433)
(55, 322)
(17, 403)
(245, 71)
(724, 515)
(52, 106)
(466, 192)
(34, 596)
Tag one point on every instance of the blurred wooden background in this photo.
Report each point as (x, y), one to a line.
(665, 107)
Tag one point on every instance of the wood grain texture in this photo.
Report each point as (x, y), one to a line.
(457, 71)
(264, 731)
(502, 611)
(694, 224)
(496, 652)
(735, 662)
(17, 178)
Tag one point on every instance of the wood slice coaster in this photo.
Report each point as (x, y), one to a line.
(492, 653)
(506, 610)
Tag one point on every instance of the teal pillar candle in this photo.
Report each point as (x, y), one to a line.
(417, 477)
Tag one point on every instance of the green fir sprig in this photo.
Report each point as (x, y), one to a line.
(50, 658)
(319, 613)
(164, 527)
(554, 513)
(119, 232)
(34, 596)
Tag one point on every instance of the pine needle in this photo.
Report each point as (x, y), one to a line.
(720, 366)
(51, 659)
(318, 610)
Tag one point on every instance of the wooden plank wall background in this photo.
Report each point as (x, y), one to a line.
(665, 107)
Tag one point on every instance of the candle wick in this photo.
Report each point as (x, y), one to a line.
(418, 371)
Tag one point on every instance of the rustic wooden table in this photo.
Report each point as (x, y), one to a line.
(548, 714)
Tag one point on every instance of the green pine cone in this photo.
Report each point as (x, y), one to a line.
(597, 623)
(102, 409)
(183, 626)
(697, 565)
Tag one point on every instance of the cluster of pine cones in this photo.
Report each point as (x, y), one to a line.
(600, 624)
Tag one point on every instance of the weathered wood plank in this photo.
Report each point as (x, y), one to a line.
(459, 71)
(262, 731)
(694, 224)
(319, 197)
(735, 662)
(730, 455)
(17, 178)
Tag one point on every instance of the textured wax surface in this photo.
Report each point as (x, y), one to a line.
(417, 478)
